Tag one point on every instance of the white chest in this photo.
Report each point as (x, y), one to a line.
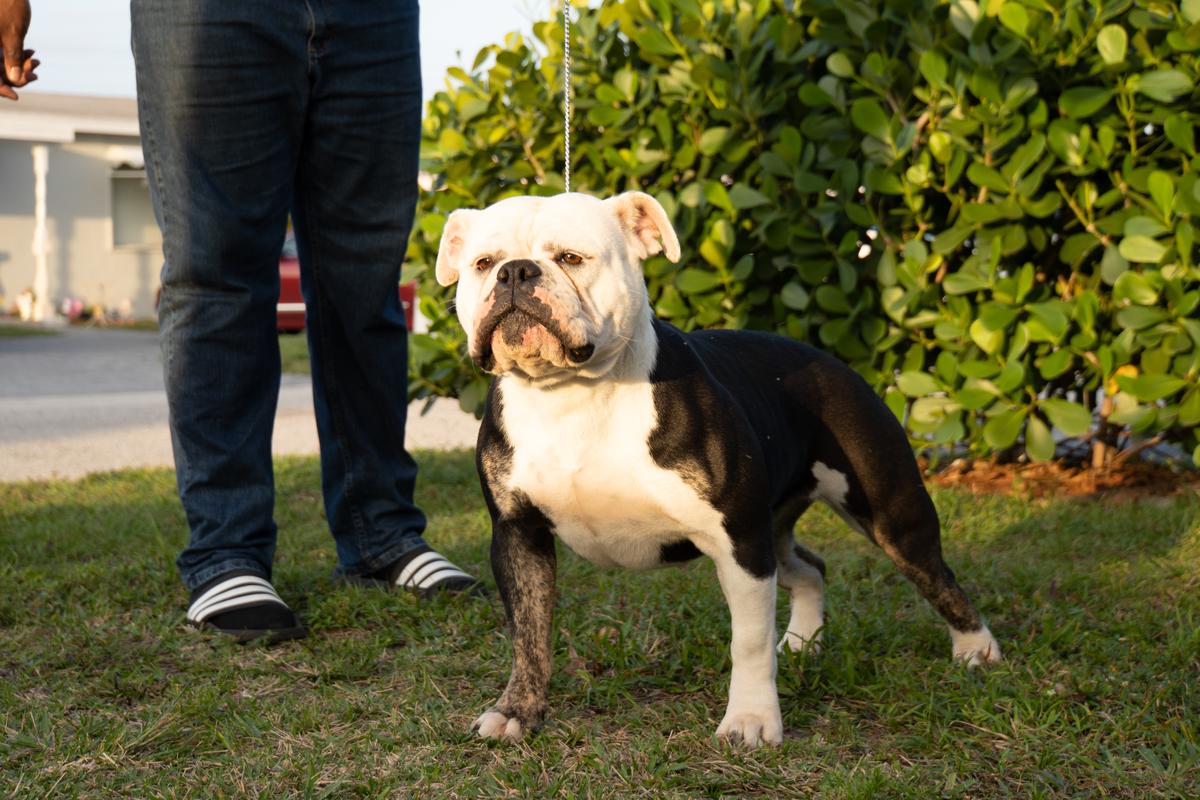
(581, 455)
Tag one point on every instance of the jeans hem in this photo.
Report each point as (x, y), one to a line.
(203, 576)
(370, 564)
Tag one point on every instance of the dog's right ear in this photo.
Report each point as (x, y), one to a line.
(646, 224)
(450, 249)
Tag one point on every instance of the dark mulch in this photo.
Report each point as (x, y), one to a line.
(1126, 481)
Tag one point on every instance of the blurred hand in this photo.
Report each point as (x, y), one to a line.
(19, 64)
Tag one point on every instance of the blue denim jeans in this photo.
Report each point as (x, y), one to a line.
(249, 111)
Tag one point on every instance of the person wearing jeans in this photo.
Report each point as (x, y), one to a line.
(250, 111)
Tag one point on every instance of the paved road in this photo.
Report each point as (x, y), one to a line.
(90, 400)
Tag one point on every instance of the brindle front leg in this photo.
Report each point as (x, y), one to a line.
(523, 562)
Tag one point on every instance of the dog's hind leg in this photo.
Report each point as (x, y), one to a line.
(907, 530)
(802, 573)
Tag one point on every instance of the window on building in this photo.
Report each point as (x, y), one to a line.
(133, 223)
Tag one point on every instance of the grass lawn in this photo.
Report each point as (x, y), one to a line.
(24, 329)
(104, 693)
(293, 353)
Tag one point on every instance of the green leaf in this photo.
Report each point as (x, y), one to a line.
(940, 144)
(1070, 418)
(1014, 17)
(988, 341)
(996, 317)
(1134, 288)
(652, 40)
(713, 139)
(693, 280)
(1179, 131)
(607, 93)
(948, 240)
(1055, 364)
(471, 397)
(742, 197)
(1083, 101)
(983, 175)
(794, 296)
(831, 298)
(1112, 265)
(715, 193)
(964, 14)
(882, 181)
(839, 64)
(1164, 85)
(1051, 318)
(743, 268)
(1139, 317)
(1012, 376)
(1001, 431)
(626, 80)
(1039, 444)
(1162, 190)
(1142, 249)
(916, 384)
(451, 142)
(933, 67)
(1151, 388)
(814, 96)
(1112, 42)
(1189, 409)
(870, 118)
(930, 410)
(957, 283)
(1143, 226)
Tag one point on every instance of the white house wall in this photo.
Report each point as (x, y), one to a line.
(82, 260)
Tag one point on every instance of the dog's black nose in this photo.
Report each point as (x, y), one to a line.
(518, 271)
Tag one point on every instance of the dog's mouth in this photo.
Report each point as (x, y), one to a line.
(519, 333)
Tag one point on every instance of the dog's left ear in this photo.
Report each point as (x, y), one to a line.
(451, 246)
(645, 221)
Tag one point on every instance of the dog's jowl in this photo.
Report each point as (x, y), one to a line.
(639, 445)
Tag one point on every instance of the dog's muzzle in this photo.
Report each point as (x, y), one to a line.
(516, 309)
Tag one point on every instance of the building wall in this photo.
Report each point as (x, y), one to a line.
(82, 261)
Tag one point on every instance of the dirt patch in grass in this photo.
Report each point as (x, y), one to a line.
(1125, 482)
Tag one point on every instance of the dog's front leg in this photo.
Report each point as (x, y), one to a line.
(523, 562)
(753, 714)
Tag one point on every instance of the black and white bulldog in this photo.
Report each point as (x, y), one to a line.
(639, 446)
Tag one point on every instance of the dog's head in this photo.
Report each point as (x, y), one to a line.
(552, 286)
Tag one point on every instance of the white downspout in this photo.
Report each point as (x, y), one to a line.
(41, 275)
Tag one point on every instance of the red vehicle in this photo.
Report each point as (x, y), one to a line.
(289, 312)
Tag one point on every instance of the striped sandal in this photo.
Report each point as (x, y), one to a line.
(243, 605)
(424, 572)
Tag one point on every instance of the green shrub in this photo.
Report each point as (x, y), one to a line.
(985, 209)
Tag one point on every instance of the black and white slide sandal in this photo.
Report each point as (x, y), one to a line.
(424, 572)
(431, 572)
(245, 606)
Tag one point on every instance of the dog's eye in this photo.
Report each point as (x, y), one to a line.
(484, 263)
(569, 259)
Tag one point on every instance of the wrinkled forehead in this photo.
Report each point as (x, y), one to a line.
(531, 225)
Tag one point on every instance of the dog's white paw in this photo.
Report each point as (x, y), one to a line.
(494, 725)
(976, 648)
(751, 728)
(800, 643)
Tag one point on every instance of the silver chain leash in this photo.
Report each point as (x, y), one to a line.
(566, 95)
